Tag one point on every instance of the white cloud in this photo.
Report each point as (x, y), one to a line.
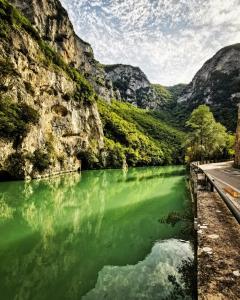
(168, 39)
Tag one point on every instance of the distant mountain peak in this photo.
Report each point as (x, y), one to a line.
(217, 84)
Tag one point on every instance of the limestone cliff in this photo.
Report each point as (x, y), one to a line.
(217, 84)
(237, 147)
(51, 21)
(135, 88)
(48, 115)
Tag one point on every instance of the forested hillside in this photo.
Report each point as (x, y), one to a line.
(52, 90)
(216, 84)
(139, 135)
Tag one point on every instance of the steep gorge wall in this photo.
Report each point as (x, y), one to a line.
(134, 87)
(216, 84)
(47, 119)
(51, 21)
(50, 101)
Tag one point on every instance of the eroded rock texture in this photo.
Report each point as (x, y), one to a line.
(46, 124)
(54, 26)
(134, 86)
(217, 84)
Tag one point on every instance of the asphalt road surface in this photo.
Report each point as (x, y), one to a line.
(224, 173)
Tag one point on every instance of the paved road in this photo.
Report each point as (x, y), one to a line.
(224, 173)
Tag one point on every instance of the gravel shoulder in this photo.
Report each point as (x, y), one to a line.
(218, 249)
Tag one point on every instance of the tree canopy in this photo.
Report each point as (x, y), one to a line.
(208, 139)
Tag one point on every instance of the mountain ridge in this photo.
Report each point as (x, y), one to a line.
(57, 107)
(135, 88)
(49, 109)
(216, 84)
(57, 30)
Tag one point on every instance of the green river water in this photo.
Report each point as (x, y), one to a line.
(108, 234)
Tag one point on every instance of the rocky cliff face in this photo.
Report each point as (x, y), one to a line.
(237, 147)
(51, 21)
(49, 119)
(134, 86)
(217, 84)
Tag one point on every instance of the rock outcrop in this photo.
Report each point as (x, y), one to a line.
(51, 89)
(49, 119)
(217, 84)
(134, 86)
(237, 146)
(51, 21)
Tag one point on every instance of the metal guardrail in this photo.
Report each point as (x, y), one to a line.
(233, 209)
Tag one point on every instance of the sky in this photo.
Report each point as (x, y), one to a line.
(168, 39)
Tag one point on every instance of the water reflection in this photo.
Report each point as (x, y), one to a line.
(56, 235)
(148, 279)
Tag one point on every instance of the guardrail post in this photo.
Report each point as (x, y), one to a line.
(209, 184)
(205, 180)
(211, 187)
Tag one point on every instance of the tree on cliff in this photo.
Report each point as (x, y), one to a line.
(208, 138)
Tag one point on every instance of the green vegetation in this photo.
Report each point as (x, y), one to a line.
(222, 87)
(171, 112)
(15, 118)
(116, 154)
(89, 159)
(229, 150)
(162, 93)
(41, 160)
(208, 139)
(7, 72)
(180, 112)
(16, 165)
(84, 91)
(134, 135)
(44, 157)
(4, 29)
(50, 56)
(29, 88)
(11, 17)
(176, 90)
